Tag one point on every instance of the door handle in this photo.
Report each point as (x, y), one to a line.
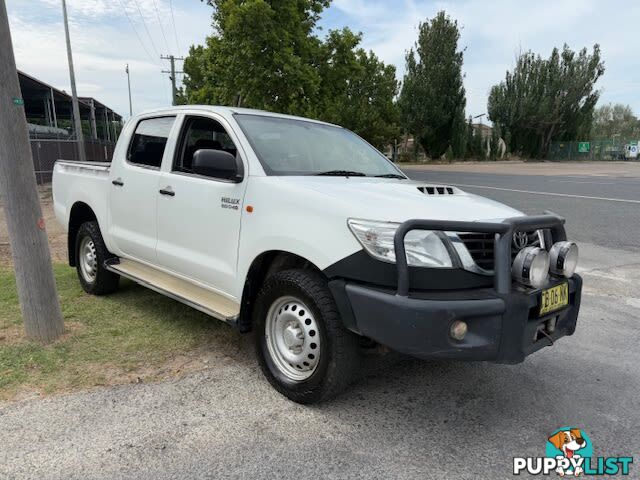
(167, 191)
(118, 182)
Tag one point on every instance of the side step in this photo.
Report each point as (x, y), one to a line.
(197, 297)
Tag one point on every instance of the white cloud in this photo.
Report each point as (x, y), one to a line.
(494, 32)
(103, 42)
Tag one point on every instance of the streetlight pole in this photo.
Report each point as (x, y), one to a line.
(74, 93)
(129, 85)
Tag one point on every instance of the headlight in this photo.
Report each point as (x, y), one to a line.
(424, 248)
(531, 266)
(564, 258)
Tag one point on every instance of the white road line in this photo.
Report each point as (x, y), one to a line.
(620, 200)
(577, 181)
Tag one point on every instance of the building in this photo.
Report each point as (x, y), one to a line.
(49, 113)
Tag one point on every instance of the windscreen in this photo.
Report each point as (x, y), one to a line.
(297, 147)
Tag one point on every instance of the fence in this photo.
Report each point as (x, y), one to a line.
(596, 150)
(46, 151)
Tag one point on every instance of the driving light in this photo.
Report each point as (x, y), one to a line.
(564, 258)
(531, 266)
(458, 330)
(424, 248)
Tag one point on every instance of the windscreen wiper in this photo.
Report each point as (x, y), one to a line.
(391, 175)
(342, 173)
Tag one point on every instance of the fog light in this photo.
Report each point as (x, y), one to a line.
(564, 258)
(458, 330)
(531, 266)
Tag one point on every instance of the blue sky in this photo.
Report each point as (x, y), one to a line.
(107, 34)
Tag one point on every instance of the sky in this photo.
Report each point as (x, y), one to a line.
(107, 34)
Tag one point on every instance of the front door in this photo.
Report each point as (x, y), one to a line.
(199, 220)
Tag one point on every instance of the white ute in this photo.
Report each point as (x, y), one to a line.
(304, 233)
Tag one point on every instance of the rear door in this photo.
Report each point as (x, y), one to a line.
(134, 189)
(199, 221)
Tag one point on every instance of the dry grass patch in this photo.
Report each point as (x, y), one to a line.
(133, 335)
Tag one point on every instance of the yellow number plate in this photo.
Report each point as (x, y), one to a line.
(554, 298)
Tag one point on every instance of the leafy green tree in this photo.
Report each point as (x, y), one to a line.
(264, 54)
(615, 121)
(545, 100)
(474, 143)
(357, 90)
(432, 100)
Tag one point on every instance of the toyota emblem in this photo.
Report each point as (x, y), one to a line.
(520, 240)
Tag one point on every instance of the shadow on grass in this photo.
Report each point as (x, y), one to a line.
(132, 335)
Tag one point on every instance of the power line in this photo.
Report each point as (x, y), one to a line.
(166, 44)
(135, 30)
(144, 23)
(173, 21)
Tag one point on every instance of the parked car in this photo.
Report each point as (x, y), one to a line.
(304, 233)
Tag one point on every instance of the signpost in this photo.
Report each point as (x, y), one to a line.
(584, 147)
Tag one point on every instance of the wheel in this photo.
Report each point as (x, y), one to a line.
(91, 254)
(304, 350)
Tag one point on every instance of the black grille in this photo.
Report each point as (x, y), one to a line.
(480, 246)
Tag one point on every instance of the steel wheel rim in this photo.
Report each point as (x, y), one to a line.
(88, 259)
(293, 338)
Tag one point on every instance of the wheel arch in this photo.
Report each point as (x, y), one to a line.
(80, 213)
(263, 266)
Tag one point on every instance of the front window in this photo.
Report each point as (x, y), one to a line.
(298, 147)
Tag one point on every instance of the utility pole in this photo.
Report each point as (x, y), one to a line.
(74, 94)
(27, 235)
(129, 84)
(172, 74)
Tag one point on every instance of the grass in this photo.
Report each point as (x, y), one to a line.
(108, 340)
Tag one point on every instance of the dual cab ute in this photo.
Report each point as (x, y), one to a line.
(304, 233)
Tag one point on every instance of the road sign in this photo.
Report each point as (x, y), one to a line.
(584, 147)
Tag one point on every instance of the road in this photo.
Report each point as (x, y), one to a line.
(602, 210)
(404, 418)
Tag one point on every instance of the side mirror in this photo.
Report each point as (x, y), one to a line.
(217, 164)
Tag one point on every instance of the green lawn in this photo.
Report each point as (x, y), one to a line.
(107, 339)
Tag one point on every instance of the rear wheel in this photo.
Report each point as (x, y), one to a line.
(304, 350)
(91, 253)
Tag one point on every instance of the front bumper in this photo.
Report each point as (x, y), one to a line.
(502, 328)
(503, 322)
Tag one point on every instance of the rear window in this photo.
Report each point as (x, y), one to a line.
(149, 141)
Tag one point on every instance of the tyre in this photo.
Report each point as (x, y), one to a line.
(304, 350)
(91, 254)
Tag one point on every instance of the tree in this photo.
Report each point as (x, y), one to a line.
(432, 100)
(27, 235)
(617, 120)
(475, 144)
(264, 54)
(357, 90)
(545, 100)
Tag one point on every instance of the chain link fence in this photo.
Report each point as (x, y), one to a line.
(592, 150)
(46, 151)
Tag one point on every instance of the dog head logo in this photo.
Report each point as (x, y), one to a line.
(568, 441)
(570, 446)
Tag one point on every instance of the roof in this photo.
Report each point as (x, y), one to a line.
(228, 111)
(31, 86)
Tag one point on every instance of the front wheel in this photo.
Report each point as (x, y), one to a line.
(304, 350)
